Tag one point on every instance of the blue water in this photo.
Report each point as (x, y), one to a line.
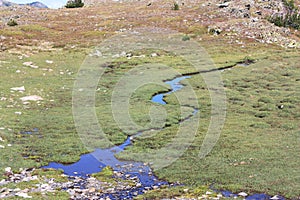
(175, 85)
(250, 197)
(34, 130)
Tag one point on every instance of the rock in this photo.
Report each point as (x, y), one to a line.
(223, 5)
(275, 197)
(8, 169)
(18, 113)
(92, 190)
(20, 89)
(155, 187)
(292, 44)
(154, 55)
(2, 147)
(243, 194)
(32, 98)
(27, 63)
(30, 64)
(138, 185)
(23, 195)
(243, 163)
(49, 61)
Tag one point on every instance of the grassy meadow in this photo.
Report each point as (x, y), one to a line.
(257, 152)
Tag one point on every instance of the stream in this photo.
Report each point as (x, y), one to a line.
(94, 162)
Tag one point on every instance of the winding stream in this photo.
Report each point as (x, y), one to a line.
(94, 162)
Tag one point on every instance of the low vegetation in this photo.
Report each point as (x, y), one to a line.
(12, 22)
(175, 6)
(74, 4)
(290, 19)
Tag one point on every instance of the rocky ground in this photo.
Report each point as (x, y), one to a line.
(119, 186)
(87, 188)
(76, 187)
(237, 21)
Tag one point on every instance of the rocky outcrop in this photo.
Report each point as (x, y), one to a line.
(248, 19)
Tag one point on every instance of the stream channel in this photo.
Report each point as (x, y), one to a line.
(94, 162)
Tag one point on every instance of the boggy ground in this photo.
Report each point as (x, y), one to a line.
(258, 150)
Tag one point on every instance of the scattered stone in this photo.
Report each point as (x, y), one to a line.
(275, 197)
(223, 5)
(243, 194)
(23, 195)
(32, 98)
(154, 55)
(30, 64)
(8, 170)
(243, 163)
(18, 113)
(219, 195)
(20, 89)
(49, 61)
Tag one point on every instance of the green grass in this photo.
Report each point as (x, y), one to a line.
(53, 116)
(258, 150)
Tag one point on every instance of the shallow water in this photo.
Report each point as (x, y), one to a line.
(94, 162)
(175, 85)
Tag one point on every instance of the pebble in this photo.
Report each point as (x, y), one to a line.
(31, 98)
(20, 89)
(23, 195)
(275, 197)
(243, 194)
(49, 61)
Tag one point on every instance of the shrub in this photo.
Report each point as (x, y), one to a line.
(74, 4)
(175, 6)
(248, 60)
(290, 19)
(12, 22)
(185, 38)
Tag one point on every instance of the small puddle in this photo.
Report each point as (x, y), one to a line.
(34, 130)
